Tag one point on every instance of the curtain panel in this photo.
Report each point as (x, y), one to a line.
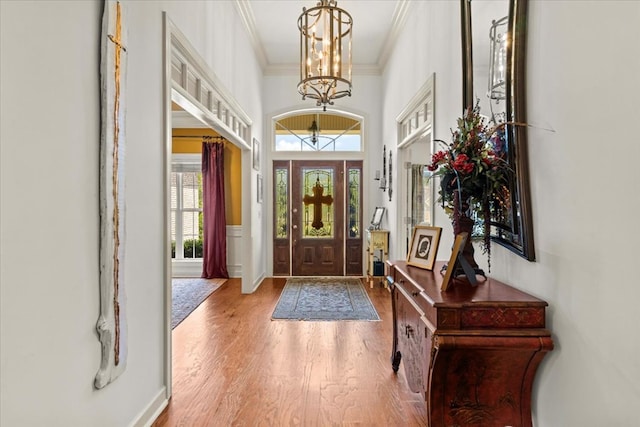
(214, 254)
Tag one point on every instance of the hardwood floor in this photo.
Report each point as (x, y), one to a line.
(234, 366)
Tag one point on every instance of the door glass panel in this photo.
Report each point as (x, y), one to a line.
(282, 203)
(354, 203)
(317, 203)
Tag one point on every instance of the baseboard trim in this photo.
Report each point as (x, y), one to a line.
(257, 283)
(153, 410)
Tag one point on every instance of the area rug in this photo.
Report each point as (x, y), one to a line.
(313, 298)
(188, 294)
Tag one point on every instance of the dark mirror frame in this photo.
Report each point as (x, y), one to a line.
(519, 236)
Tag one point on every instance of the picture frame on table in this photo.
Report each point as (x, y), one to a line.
(458, 246)
(377, 217)
(424, 246)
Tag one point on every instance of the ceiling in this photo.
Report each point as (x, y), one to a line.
(273, 28)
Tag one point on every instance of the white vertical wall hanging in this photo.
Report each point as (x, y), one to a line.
(112, 326)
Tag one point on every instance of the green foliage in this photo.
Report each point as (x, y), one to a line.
(189, 246)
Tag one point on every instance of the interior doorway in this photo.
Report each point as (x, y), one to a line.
(191, 85)
(317, 218)
(416, 193)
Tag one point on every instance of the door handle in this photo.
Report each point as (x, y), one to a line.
(408, 331)
(294, 226)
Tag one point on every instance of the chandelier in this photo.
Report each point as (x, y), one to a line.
(325, 53)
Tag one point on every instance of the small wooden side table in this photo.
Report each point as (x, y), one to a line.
(377, 255)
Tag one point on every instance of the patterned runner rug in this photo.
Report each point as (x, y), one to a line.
(314, 298)
(188, 294)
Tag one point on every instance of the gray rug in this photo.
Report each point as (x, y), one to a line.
(188, 294)
(313, 298)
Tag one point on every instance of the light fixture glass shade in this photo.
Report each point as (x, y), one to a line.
(325, 53)
(498, 59)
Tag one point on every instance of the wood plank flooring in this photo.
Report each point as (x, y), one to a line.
(234, 366)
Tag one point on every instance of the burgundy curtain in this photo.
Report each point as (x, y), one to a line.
(214, 254)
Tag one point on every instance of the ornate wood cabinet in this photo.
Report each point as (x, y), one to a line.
(472, 351)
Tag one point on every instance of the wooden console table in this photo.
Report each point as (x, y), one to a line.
(472, 351)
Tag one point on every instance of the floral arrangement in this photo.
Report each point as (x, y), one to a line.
(474, 173)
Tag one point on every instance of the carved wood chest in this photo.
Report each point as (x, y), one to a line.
(471, 351)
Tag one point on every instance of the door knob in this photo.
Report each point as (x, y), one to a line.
(295, 227)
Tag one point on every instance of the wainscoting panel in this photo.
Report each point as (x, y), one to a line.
(234, 250)
(193, 268)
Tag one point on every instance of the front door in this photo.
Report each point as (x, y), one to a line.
(323, 216)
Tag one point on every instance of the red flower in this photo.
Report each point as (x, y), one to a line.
(436, 159)
(462, 164)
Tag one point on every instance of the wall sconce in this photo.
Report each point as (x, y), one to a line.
(384, 185)
(383, 180)
(390, 176)
(498, 36)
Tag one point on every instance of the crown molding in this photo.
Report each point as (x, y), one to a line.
(294, 70)
(366, 70)
(399, 17)
(246, 15)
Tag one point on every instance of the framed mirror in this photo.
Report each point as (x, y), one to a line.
(494, 36)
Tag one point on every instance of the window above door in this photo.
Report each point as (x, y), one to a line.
(318, 132)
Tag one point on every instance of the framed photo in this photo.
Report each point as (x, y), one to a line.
(259, 188)
(377, 217)
(424, 246)
(458, 245)
(256, 154)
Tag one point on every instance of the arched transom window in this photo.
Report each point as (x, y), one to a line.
(318, 132)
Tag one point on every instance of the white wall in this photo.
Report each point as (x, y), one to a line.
(429, 43)
(50, 218)
(50, 133)
(583, 68)
(584, 85)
